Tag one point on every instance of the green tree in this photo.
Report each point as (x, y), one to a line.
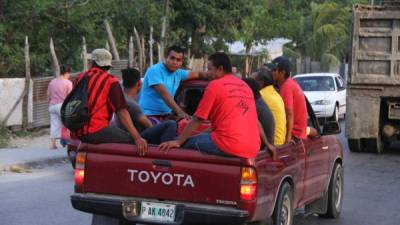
(204, 26)
(67, 22)
(323, 35)
(198, 21)
(323, 32)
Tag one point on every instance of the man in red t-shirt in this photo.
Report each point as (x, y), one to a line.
(105, 97)
(293, 97)
(229, 104)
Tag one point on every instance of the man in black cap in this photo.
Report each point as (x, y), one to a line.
(293, 97)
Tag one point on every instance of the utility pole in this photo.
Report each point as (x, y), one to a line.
(164, 26)
(25, 101)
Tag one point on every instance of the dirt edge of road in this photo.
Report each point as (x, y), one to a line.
(22, 139)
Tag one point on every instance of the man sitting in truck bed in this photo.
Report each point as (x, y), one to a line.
(293, 97)
(274, 102)
(229, 105)
(160, 84)
(105, 97)
(164, 131)
(266, 122)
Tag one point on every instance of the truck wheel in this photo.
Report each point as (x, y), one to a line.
(354, 145)
(283, 211)
(373, 145)
(335, 193)
(104, 220)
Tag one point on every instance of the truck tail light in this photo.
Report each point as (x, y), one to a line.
(80, 170)
(248, 184)
(79, 176)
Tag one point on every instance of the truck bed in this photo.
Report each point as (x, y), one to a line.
(203, 179)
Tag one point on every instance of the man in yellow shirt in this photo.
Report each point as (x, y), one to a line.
(274, 101)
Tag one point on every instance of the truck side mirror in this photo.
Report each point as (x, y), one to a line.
(331, 128)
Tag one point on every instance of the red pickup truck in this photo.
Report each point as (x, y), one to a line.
(118, 186)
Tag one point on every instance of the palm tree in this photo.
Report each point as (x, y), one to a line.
(323, 35)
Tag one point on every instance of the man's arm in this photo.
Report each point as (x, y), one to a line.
(289, 124)
(193, 125)
(287, 97)
(268, 146)
(126, 120)
(145, 121)
(198, 75)
(312, 132)
(169, 100)
(119, 106)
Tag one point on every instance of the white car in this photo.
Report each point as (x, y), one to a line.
(326, 93)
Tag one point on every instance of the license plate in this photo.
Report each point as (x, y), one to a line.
(157, 212)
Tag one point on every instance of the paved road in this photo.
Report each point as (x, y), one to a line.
(39, 198)
(371, 197)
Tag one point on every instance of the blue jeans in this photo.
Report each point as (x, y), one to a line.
(204, 143)
(164, 131)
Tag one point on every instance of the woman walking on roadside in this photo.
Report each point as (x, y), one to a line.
(57, 91)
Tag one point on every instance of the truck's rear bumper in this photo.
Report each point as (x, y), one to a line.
(186, 213)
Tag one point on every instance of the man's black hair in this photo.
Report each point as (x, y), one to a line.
(221, 59)
(130, 77)
(255, 88)
(287, 73)
(264, 74)
(176, 49)
(65, 69)
(104, 68)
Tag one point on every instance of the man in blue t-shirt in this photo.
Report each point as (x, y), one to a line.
(161, 82)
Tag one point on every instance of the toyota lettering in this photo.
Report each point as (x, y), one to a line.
(156, 177)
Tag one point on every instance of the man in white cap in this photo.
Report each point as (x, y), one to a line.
(105, 97)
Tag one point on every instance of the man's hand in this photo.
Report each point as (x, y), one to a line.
(126, 120)
(193, 125)
(142, 145)
(166, 146)
(199, 75)
(272, 150)
(182, 115)
(169, 100)
(289, 139)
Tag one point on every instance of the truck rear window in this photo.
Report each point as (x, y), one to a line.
(188, 99)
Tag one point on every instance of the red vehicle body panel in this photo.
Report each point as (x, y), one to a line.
(200, 187)
(306, 165)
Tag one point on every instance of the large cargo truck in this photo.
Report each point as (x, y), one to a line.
(373, 91)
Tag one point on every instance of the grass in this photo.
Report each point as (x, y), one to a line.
(28, 133)
(22, 134)
(4, 137)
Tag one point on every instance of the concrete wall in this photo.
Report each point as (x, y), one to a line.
(10, 90)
